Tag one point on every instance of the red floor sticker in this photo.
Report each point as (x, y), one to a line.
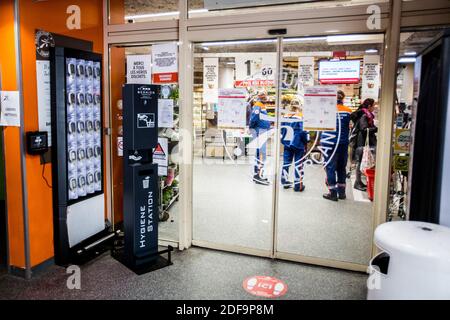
(267, 287)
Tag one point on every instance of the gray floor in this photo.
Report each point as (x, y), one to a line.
(230, 209)
(196, 274)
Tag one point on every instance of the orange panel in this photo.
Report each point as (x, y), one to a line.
(11, 140)
(49, 16)
(116, 11)
(117, 81)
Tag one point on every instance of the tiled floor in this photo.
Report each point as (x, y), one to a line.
(196, 274)
(229, 208)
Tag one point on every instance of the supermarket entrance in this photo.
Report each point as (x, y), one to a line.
(274, 173)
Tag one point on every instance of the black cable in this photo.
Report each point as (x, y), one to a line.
(43, 176)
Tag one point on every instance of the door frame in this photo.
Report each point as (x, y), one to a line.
(349, 20)
(320, 22)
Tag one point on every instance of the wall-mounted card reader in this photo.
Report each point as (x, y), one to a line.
(37, 142)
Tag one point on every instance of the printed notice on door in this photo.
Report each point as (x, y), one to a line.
(165, 63)
(319, 109)
(231, 111)
(139, 69)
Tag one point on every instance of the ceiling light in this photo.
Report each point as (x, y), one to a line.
(332, 31)
(199, 11)
(410, 53)
(161, 14)
(371, 51)
(305, 39)
(229, 43)
(406, 60)
(356, 38)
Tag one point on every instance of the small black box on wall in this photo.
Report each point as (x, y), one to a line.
(37, 142)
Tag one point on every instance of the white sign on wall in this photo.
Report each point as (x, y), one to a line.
(43, 97)
(165, 63)
(257, 70)
(210, 80)
(231, 110)
(10, 108)
(319, 109)
(371, 77)
(139, 69)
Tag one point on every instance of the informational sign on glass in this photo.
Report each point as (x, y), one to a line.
(255, 70)
(210, 80)
(165, 63)
(305, 72)
(231, 111)
(165, 113)
(370, 77)
(319, 109)
(139, 69)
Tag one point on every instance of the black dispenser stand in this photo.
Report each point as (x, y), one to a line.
(138, 250)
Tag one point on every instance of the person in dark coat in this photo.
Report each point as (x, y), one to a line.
(364, 124)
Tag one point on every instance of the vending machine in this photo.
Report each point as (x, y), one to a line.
(77, 153)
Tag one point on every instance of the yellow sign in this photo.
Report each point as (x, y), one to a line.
(401, 163)
(402, 140)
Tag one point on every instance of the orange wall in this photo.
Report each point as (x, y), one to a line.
(11, 139)
(117, 81)
(50, 16)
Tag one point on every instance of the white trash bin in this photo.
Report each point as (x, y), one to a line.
(414, 262)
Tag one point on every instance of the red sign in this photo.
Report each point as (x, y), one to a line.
(159, 150)
(339, 81)
(339, 54)
(169, 77)
(254, 83)
(267, 287)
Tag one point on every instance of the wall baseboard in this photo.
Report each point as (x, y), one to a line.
(20, 272)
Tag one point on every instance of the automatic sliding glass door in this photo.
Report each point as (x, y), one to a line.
(234, 147)
(286, 179)
(330, 90)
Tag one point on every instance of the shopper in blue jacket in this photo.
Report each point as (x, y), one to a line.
(259, 124)
(294, 149)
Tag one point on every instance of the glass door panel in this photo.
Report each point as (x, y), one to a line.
(324, 202)
(168, 139)
(234, 150)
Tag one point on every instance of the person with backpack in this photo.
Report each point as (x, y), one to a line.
(364, 125)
